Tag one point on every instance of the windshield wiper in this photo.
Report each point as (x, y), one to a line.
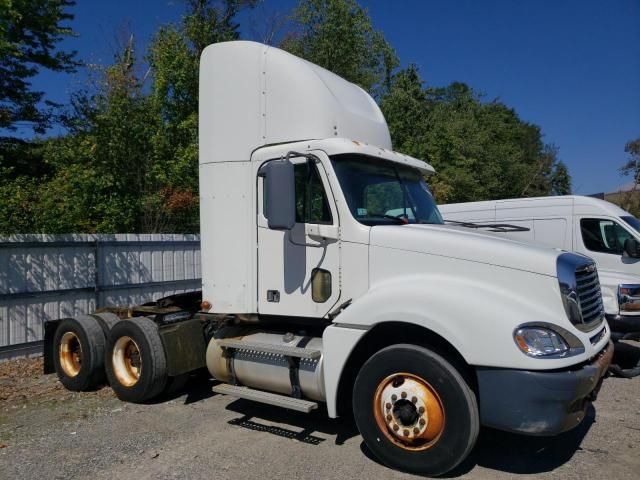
(398, 220)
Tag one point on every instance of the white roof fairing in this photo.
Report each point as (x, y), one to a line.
(253, 95)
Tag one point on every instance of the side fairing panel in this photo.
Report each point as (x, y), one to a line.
(228, 236)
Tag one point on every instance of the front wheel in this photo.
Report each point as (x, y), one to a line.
(415, 411)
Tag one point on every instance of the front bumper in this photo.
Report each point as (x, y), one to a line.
(622, 325)
(540, 402)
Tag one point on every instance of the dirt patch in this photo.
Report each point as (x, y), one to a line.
(22, 382)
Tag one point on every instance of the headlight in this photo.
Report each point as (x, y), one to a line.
(540, 342)
(629, 298)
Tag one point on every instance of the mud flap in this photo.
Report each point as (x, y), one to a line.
(50, 327)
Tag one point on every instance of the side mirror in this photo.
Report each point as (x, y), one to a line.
(280, 195)
(632, 248)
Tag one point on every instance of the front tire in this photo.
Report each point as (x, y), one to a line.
(135, 360)
(415, 411)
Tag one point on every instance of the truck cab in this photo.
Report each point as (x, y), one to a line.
(328, 276)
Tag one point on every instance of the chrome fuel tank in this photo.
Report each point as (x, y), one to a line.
(266, 370)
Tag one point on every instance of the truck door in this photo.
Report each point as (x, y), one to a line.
(298, 270)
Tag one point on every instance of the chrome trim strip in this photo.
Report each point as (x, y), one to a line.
(352, 326)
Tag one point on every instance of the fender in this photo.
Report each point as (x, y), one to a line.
(477, 318)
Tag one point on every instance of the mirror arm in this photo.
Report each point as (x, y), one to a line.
(308, 156)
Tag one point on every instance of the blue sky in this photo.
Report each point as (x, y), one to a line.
(570, 66)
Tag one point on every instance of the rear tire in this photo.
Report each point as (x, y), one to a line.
(135, 361)
(415, 411)
(78, 353)
(107, 319)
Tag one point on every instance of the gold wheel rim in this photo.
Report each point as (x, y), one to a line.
(70, 354)
(126, 361)
(408, 411)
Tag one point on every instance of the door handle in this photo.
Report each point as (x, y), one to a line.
(322, 232)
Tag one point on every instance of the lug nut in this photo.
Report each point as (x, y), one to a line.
(414, 399)
(406, 433)
(404, 395)
(396, 428)
(416, 430)
(421, 410)
(388, 406)
(389, 417)
(422, 422)
(394, 397)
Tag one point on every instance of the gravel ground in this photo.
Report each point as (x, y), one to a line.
(47, 432)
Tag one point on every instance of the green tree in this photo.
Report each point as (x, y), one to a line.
(29, 33)
(129, 162)
(480, 150)
(631, 167)
(338, 35)
(174, 56)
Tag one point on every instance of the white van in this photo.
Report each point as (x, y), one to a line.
(587, 225)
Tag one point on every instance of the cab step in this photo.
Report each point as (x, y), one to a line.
(286, 350)
(260, 396)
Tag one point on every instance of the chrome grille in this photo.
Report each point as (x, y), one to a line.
(589, 295)
(580, 291)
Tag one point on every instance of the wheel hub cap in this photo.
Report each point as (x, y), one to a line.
(70, 354)
(126, 361)
(408, 411)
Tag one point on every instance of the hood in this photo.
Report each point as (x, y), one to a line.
(466, 244)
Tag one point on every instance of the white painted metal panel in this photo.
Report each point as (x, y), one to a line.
(228, 229)
(253, 95)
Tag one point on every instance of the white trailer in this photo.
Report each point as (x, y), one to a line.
(329, 276)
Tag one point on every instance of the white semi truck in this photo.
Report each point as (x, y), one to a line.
(312, 292)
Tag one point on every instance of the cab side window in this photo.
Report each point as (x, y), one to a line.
(311, 200)
(603, 235)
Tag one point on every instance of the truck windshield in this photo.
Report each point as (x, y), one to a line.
(380, 192)
(632, 222)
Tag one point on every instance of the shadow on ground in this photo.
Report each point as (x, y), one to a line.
(523, 454)
(518, 454)
(496, 450)
(303, 425)
(627, 355)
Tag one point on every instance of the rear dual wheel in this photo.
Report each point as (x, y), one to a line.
(78, 350)
(78, 353)
(415, 411)
(135, 361)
